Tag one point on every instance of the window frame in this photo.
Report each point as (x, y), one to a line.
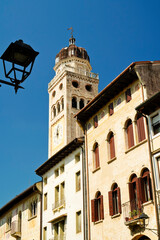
(111, 145)
(96, 160)
(129, 134)
(114, 197)
(128, 95)
(97, 208)
(140, 125)
(151, 123)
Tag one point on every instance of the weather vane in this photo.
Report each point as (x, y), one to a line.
(71, 31)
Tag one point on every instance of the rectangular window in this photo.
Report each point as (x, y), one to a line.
(56, 172)
(156, 123)
(61, 169)
(111, 109)
(59, 230)
(45, 181)
(95, 119)
(45, 201)
(78, 181)
(77, 158)
(78, 222)
(128, 95)
(56, 196)
(62, 199)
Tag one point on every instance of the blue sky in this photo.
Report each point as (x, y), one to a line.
(114, 33)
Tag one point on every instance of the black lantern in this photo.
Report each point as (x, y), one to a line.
(22, 57)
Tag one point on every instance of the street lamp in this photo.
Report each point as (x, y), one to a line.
(22, 57)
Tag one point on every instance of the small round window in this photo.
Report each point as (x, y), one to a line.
(61, 86)
(75, 84)
(54, 93)
(88, 88)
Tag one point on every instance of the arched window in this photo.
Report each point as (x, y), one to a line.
(74, 102)
(134, 196)
(81, 103)
(146, 189)
(58, 107)
(140, 128)
(96, 156)
(62, 103)
(111, 145)
(114, 200)
(54, 111)
(97, 208)
(129, 131)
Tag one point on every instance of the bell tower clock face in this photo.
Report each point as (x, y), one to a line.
(58, 134)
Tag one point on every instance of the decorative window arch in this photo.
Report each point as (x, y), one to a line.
(96, 162)
(129, 133)
(114, 197)
(74, 102)
(81, 103)
(97, 207)
(111, 145)
(140, 127)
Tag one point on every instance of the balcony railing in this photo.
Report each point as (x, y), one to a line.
(131, 211)
(16, 229)
(58, 204)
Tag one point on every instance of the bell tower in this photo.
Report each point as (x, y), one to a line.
(73, 86)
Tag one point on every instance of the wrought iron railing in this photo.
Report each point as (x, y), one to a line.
(131, 210)
(58, 203)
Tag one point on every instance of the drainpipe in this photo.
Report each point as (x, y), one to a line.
(84, 193)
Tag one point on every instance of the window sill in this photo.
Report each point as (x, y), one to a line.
(111, 160)
(147, 203)
(29, 219)
(99, 221)
(95, 170)
(135, 146)
(116, 215)
(8, 230)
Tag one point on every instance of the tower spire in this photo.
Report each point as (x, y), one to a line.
(72, 39)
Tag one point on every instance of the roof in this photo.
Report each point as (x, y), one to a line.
(110, 91)
(150, 105)
(57, 157)
(19, 197)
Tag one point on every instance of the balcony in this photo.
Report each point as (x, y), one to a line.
(131, 213)
(58, 204)
(16, 229)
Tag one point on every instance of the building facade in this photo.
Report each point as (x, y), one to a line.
(63, 193)
(20, 218)
(120, 186)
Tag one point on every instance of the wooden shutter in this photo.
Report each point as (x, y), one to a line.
(112, 147)
(131, 196)
(141, 190)
(93, 210)
(96, 121)
(110, 197)
(111, 110)
(138, 194)
(150, 186)
(130, 135)
(119, 200)
(140, 129)
(128, 95)
(101, 207)
(96, 156)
